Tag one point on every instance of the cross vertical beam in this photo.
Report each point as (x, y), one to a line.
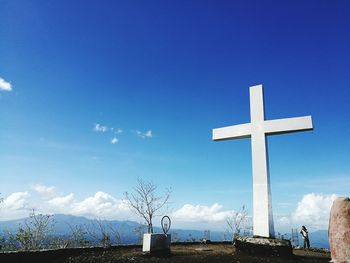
(262, 204)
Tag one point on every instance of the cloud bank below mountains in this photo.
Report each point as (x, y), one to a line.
(46, 199)
(312, 210)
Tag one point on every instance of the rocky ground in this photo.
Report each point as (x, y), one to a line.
(187, 253)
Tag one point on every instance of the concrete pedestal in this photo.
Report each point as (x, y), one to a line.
(263, 246)
(156, 243)
(339, 230)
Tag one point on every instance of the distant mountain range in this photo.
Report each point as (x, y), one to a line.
(130, 231)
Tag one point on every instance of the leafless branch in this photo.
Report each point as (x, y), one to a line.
(236, 221)
(145, 202)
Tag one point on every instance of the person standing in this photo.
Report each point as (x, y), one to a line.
(305, 235)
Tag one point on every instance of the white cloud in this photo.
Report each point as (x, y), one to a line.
(148, 134)
(16, 201)
(99, 205)
(117, 131)
(100, 128)
(4, 85)
(62, 201)
(284, 221)
(114, 140)
(102, 205)
(199, 213)
(44, 190)
(312, 211)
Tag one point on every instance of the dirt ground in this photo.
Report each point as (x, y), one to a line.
(193, 253)
(180, 252)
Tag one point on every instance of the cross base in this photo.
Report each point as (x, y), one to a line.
(263, 246)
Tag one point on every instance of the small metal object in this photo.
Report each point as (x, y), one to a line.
(166, 223)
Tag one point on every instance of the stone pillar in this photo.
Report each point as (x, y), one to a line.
(156, 243)
(339, 230)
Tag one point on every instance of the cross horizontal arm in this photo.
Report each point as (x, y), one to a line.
(232, 132)
(288, 125)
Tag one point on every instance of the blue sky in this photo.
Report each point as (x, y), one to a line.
(166, 73)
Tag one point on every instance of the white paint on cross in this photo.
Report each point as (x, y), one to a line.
(257, 130)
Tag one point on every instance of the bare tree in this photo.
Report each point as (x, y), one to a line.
(237, 221)
(145, 202)
(77, 236)
(102, 232)
(34, 233)
(115, 234)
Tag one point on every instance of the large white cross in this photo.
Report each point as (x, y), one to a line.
(257, 130)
